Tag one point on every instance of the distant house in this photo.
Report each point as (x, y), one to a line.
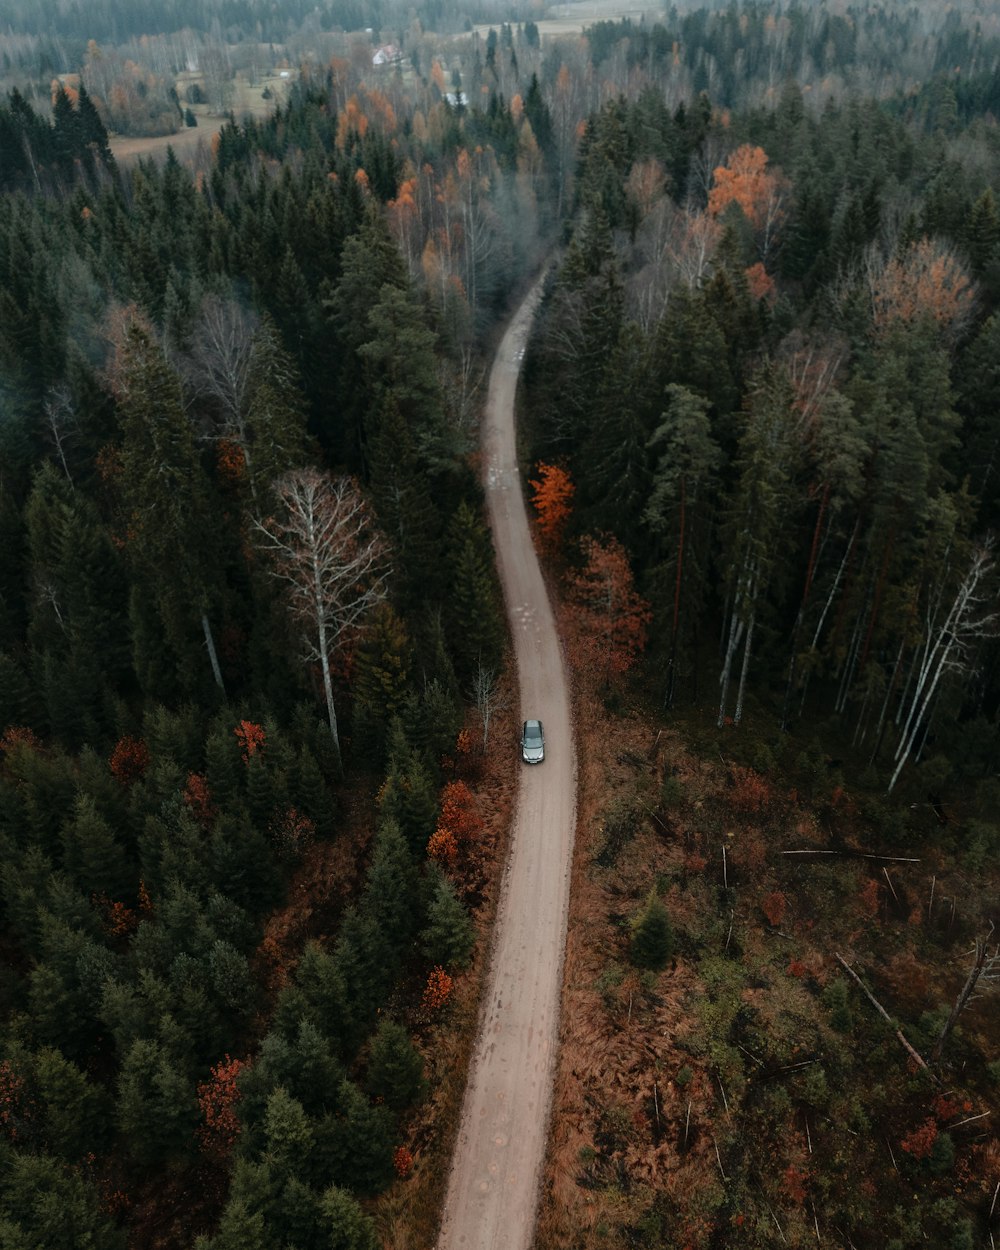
(388, 54)
(456, 99)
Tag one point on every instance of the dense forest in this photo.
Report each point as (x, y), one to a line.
(247, 599)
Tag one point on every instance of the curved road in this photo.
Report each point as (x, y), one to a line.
(495, 1179)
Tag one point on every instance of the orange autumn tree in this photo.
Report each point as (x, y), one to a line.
(927, 280)
(217, 1099)
(746, 181)
(552, 500)
(612, 618)
(458, 827)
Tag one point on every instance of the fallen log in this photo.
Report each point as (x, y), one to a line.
(851, 854)
(914, 1055)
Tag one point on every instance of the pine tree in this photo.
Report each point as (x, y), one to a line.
(449, 935)
(395, 1068)
(348, 1227)
(473, 609)
(382, 678)
(357, 1144)
(157, 1110)
(288, 1134)
(391, 887)
(75, 1109)
(652, 941)
(165, 499)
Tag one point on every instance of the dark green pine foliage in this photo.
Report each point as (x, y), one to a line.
(473, 609)
(613, 468)
(395, 1068)
(318, 994)
(78, 593)
(349, 1227)
(449, 935)
(383, 669)
(156, 1107)
(354, 1148)
(93, 856)
(399, 368)
(370, 261)
(368, 966)
(652, 939)
(391, 895)
(404, 504)
(47, 1203)
(409, 795)
(167, 514)
(76, 1109)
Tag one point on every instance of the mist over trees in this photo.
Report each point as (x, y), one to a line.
(762, 404)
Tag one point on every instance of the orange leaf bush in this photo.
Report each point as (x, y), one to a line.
(217, 1099)
(402, 1161)
(552, 502)
(251, 737)
(774, 907)
(442, 847)
(438, 989)
(129, 760)
(198, 799)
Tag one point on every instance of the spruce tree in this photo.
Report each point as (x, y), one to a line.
(449, 935)
(652, 941)
(395, 1068)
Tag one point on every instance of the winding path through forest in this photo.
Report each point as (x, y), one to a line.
(494, 1185)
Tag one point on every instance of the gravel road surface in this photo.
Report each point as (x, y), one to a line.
(493, 1190)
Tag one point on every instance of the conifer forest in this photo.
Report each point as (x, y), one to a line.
(257, 731)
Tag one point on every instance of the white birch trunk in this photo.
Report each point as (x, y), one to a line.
(210, 647)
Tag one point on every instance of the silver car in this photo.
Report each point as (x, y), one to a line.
(532, 742)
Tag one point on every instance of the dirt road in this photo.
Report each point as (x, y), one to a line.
(493, 1189)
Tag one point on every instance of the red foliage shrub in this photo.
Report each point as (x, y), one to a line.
(793, 1182)
(402, 1161)
(774, 906)
(291, 832)
(458, 812)
(750, 792)
(198, 798)
(796, 968)
(129, 760)
(442, 847)
(251, 737)
(16, 1104)
(231, 461)
(15, 736)
(217, 1099)
(921, 1141)
(438, 989)
(117, 919)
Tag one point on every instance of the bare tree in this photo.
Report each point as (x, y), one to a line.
(60, 417)
(986, 967)
(972, 614)
(221, 361)
(333, 560)
(488, 697)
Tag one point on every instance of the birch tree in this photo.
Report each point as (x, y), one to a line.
(753, 530)
(972, 615)
(325, 548)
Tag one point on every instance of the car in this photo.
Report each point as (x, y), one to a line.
(532, 742)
